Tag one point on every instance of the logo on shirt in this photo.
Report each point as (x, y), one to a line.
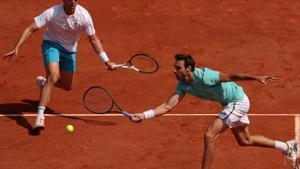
(75, 21)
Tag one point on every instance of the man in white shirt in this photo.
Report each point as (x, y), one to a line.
(65, 23)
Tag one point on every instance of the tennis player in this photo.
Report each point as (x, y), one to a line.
(64, 23)
(205, 83)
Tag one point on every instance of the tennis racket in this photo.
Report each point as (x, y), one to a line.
(97, 99)
(140, 62)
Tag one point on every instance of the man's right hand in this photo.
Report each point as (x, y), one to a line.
(137, 118)
(110, 65)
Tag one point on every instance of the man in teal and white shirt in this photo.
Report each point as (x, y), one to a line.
(205, 83)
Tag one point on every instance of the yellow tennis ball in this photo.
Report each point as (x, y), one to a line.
(70, 128)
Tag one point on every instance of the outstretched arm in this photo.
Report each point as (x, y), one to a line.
(159, 110)
(27, 32)
(97, 46)
(227, 77)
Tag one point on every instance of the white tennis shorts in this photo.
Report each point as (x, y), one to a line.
(235, 114)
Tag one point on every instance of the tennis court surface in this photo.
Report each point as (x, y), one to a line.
(114, 142)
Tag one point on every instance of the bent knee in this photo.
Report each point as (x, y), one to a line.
(209, 137)
(53, 79)
(245, 142)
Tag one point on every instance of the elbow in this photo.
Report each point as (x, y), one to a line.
(93, 40)
(31, 29)
(226, 77)
(230, 78)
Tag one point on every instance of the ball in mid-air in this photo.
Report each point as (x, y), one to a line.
(70, 128)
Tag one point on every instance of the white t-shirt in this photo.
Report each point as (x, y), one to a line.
(65, 29)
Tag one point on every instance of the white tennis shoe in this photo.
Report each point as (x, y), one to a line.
(291, 153)
(39, 123)
(41, 81)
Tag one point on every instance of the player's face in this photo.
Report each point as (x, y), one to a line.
(180, 71)
(70, 6)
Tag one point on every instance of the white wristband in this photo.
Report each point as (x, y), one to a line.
(149, 114)
(103, 57)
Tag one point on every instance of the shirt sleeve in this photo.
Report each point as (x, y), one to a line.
(89, 26)
(211, 77)
(44, 18)
(180, 89)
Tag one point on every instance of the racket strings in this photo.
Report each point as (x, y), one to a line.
(144, 63)
(98, 100)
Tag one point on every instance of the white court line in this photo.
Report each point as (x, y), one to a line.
(297, 133)
(113, 115)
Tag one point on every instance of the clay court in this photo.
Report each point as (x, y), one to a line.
(255, 37)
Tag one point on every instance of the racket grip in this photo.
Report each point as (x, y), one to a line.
(129, 115)
(119, 66)
(125, 113)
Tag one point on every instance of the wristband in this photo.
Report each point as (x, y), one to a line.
(103, 57)
(149, 114)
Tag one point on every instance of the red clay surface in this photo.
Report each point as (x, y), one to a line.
(231, 36)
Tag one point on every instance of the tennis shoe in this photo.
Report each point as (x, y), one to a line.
(291, 153)
(39, 123)
(41, 81)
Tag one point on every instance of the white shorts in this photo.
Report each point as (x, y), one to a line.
(235, 114)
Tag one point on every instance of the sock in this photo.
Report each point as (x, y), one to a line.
(281, 146)
(40, 111)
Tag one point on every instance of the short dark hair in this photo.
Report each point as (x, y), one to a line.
(188, 60)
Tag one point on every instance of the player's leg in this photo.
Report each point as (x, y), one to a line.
(236, 117)
(53, 75)
(67, 69)
(244, 138)
(212, 133)
(65, 81)
(51, 62)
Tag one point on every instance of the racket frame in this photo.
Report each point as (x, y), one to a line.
(130, 66)
(107, 92)
(114, 103)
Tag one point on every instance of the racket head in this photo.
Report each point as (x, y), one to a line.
(144, 63)
(97, 99)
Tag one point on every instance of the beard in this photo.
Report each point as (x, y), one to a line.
(178, 77)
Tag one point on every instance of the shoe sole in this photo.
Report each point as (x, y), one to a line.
(36, 130)
(40, 128)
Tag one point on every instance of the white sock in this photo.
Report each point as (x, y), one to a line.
(40, 111)
(281, 146)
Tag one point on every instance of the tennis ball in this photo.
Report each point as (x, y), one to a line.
(70, 128)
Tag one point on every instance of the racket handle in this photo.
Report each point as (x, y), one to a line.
(120, 66)
(129, 115)
(125, 113)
